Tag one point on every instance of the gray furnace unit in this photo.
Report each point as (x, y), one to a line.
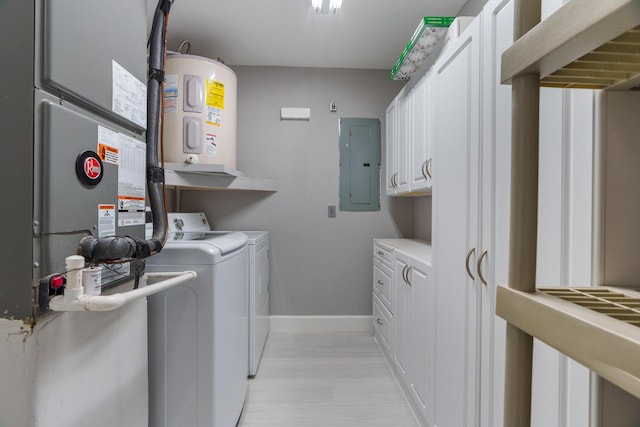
(73, 117)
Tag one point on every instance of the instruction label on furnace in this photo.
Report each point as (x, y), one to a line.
(215, 102)
(131, 181)
(129, 96)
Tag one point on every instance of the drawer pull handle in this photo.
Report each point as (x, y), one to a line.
(379, 322)
(380, 283)
(380, 253)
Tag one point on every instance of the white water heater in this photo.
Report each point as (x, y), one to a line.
(200, 104)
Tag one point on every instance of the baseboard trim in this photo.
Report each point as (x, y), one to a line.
(302, 324)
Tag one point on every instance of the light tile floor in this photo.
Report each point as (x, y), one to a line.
(324, 380)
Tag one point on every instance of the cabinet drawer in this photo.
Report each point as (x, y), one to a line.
(382, 283)
(382, 252)
(382, 327)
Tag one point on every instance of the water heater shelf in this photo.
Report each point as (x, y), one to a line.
(213, 177)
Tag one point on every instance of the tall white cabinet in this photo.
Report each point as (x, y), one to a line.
(455, 230)
(495, 190)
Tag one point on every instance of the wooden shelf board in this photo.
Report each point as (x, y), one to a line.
(601, 35)
(593, 333)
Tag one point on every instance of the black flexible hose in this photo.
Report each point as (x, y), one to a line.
(113, 249)
(155, 175)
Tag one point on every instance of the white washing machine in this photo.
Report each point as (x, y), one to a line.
(258, 242)
(198, 332)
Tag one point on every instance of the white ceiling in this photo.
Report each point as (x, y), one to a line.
(364, 34)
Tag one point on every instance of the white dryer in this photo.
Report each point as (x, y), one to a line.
(198, 332)
(259, 319)
(258, 302)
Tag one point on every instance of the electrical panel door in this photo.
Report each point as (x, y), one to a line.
(359, 164)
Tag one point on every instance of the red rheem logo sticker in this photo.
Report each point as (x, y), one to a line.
(92, 168)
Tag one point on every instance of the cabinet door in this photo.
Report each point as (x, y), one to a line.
(401, 315)
(420, 155)
(455, 201)
(422, 336)
(405, 131)
(390, 147)
(497, 24)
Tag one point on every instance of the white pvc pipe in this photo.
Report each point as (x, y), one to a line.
(73, 265)
(84, 302)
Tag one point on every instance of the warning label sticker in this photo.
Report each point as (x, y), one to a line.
(106, 220)
(215, 94)
(107, 145)
(210, 144)
(171, 93)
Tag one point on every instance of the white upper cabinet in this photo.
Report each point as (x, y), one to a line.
(405, 133)
(398, 144)
(391, 139)
(420, 157)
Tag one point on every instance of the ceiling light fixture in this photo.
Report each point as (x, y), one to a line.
(326, 6)
(426, 37)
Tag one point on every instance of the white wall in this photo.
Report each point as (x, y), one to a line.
(319, 266)
(75, 369)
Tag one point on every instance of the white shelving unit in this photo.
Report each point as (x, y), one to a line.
(584, 44)
(213, 177)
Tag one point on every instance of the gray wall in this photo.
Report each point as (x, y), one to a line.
(319, 266)
(422, 218)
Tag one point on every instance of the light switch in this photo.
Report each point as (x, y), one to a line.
(331, 211)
